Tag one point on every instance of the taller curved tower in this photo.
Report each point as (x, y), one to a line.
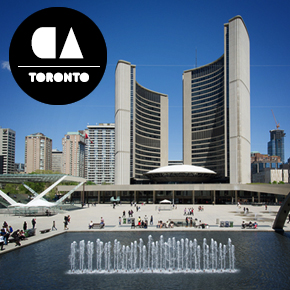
(216, 109)
(141, 127)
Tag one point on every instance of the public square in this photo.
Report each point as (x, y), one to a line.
(80, 219)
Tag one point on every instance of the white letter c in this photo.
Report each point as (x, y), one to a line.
(43, 42)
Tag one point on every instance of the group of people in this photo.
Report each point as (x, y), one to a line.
(189, 211)
(130, 213)
(250, 225)
(8, 232)
(142, 223)
(168, 224)
(102, 224)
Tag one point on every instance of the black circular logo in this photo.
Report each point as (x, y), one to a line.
(58, 56)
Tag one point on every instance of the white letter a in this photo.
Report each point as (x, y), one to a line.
(71, 47)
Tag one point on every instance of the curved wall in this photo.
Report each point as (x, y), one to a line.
(148, 129)
(216, 109)
(207, 109)
(141, 118)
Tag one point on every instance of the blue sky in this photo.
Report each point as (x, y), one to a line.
(161, 38)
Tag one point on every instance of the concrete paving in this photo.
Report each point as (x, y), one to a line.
(80, 219)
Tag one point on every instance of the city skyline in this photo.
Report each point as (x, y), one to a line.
(165, 44)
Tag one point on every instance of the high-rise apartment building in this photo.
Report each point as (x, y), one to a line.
(216, 109)
(276, 144)
(38, 150)
(7, 151)
(73, 148)
(141, 118)
(56, 160)
(100, 153)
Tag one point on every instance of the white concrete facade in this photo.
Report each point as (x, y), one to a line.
(270, 175)
(239, 101)
(122, 123)
(164, 131)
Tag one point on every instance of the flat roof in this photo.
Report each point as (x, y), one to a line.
(280, 189)
(19, 178)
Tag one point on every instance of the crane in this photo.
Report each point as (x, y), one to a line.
(277, 124)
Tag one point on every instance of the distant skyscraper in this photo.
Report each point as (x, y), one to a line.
(100, 153)
(20, 167)
(141, 118)
(38, 149)
(56, 160)
(7, 151)
(216, 109)
(73, 148)
(276, 144)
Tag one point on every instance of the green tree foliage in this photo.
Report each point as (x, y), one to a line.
(90, 183)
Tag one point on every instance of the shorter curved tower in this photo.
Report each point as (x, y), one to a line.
(141, 130)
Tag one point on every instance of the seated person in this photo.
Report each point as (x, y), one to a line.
(1, 242)
(102, 223)
(255, 225)
(250, 224)
(133, 223)
(10, 230)
(22, 235)
(243, 225)
(16, 237)
(145, 225)
(5, 235)
(91, 225)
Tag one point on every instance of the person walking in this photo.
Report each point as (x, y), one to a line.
(65, 222)
(33, 222)
(53, 226)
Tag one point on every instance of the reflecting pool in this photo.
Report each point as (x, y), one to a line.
(261, 261)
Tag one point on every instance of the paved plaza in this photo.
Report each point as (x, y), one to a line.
(80, 219)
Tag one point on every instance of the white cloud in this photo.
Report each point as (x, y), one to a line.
(6, 65)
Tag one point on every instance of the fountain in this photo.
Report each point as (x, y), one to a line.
(161, 256)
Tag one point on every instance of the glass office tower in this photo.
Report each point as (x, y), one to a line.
(276, 144)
